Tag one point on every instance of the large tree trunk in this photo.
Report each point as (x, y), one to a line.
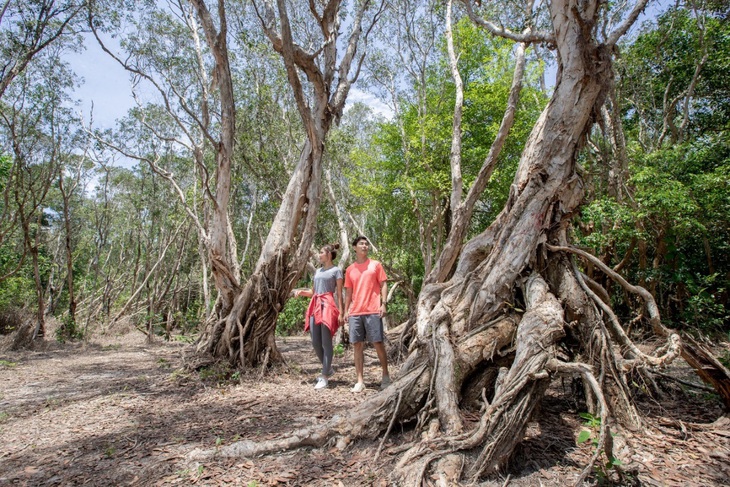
(242, 328)
(483, 289)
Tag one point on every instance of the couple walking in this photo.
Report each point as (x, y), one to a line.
(366, 291)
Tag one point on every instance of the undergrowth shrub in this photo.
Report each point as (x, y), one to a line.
(69, 330)
(291, 318)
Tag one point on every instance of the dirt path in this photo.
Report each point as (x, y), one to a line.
(124, 413)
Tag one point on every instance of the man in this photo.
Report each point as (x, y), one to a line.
(366, 292)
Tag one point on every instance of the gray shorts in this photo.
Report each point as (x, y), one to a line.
(366, 327)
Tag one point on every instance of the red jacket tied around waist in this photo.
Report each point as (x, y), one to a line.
(324, 310)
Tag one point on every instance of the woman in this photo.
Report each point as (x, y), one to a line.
(324, 314)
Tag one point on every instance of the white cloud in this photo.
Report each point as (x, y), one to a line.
(356, 95)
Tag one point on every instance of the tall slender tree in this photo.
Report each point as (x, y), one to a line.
(241, 327)
(34, 126)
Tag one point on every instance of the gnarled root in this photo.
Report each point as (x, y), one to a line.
(604, 433)
(504, 421)
(706, 366)
(444, 364)
(242, 332)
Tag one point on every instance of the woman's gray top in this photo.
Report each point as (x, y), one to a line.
(325, 281)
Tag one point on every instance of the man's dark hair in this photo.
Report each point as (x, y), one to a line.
(358, 238)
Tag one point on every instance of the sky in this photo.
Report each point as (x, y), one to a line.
(104, 84)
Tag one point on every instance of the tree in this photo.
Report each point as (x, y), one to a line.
(245, 325)
(28, 30)
(403, 82)
(677, 93)
(29, 27)
(411, 166)
(35, 125)
(656, 211)
(71, 178)
(402, 177)
(491, 319)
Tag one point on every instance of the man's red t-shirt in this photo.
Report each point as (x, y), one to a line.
(365, 280)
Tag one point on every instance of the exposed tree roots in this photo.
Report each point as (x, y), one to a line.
(515, 312)
(698, 357)
(441, 372)
(242, 333)
(368, 420)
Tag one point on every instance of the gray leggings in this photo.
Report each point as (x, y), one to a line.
(322, 343)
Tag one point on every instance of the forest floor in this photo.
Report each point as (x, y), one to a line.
(118, 411)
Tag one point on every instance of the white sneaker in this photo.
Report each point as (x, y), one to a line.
(359, 387)
(321, 383)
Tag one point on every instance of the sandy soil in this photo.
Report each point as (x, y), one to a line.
(119, 411)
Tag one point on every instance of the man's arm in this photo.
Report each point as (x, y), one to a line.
(348, 300)
(383, 298)
(338, 296)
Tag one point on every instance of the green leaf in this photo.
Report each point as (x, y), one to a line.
(584, 436)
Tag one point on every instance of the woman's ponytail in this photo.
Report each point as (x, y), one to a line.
(332, 249)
